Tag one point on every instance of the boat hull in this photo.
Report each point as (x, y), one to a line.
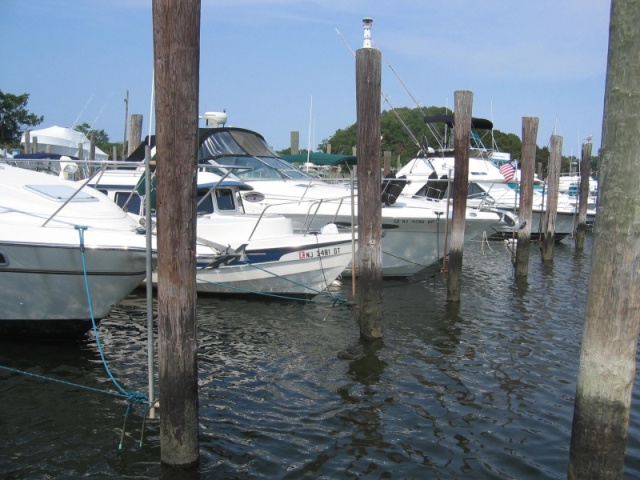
(413, 230)
(44, 287)
(302, 270)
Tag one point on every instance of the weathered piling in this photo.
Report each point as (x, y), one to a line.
(527, 172)
(135, 132)
(368, 90)
(583, 195)
(295, 142)
(462, 120)
(387, 163)
(27, 141)
(612, 318)
(92, 146)
(551, 206)
(176, 34)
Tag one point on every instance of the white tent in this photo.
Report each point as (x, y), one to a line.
(63, 141)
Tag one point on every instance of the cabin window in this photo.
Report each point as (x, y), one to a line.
(204, 207)
(62, 193)
(129, 202)
(224, 199)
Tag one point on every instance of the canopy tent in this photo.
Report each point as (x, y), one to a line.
(63, 141)
(321, 158)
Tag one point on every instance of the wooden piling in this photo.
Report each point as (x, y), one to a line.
(583, 195)
(387, 163)
(551, 206)
(295, 142)
(368, 91)
(135, 132)
(92, 146)
(27, 141)
(612, 323)
(527, 172)
(176, 34)
(462, 120)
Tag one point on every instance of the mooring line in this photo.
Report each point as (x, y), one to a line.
(132, 398)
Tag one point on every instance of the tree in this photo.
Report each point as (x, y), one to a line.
(14, 118)
(101, 137)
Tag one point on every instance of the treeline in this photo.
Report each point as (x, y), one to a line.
(405, 134)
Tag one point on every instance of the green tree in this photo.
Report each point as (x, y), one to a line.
(101, 138)
(14, 118)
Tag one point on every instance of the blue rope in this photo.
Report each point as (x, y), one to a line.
(132, 397)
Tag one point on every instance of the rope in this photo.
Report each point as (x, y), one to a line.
(132, 398)
(335, 299)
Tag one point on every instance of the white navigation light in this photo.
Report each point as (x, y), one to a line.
(367, 22)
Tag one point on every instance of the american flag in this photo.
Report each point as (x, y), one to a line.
(508, 170)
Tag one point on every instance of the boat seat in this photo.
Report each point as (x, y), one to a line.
(391, 188)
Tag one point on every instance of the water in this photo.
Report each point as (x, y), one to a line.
(479, 389)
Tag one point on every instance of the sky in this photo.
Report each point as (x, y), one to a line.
(278, 66)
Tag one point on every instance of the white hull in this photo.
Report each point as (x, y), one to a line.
(42, 286)
(305, 269)
(47, 282)
(413, 230)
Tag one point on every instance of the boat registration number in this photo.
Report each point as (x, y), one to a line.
(320, 252)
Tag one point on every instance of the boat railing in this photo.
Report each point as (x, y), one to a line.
(311, 213)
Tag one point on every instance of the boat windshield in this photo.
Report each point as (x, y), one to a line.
(243, 148)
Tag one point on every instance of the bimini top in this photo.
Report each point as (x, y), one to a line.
(479, 123)
(244, 151)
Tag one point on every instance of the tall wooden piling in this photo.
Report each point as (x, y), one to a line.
(583, 195)
(612, 323)
(368, 90)
(551, 207)
(135, 132)
(461, 134)
(295, 142)
(176, 34)
(527, 173)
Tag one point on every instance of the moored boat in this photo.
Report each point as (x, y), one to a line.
(240, 253)
(68, 255)
(413, 236)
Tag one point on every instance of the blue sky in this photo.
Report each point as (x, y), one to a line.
(283, 65)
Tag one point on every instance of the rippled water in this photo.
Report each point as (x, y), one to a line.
(479, 389)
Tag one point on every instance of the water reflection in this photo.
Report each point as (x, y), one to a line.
(481, 388)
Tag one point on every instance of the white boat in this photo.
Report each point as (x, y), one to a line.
(493, 184)
(570, 185)
(430, 176)
(413, 236)
(239, 253)
(53, 236)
